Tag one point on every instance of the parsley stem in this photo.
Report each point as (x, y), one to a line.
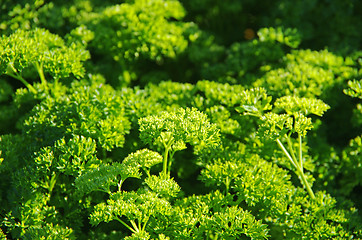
(145, 224)
(134, 225)
(14, 73)
(306, 184)
(300, 151)
(291, 149)
(120, 185)
(165, 156)
(286, 153)
(125, 224)
(299, 170)
(39, 68)
(170, 163)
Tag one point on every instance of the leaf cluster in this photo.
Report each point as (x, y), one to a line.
(175, 129)
(87, 109)
(171, 119)
(44, 51)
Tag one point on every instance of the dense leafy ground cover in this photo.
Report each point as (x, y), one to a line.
(165, 119)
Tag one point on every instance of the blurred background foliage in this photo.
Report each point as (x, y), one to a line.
(175, 38)
(149, 56)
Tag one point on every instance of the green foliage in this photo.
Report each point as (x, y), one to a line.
(202, 50)
(225, 94)
(7, 112)
(2, 235)
(138, 30)
(165, 96)
(144, 158)
(268, 190)
(43, 181)
(152, 35)
(254, 101)
(5, 91)
(317, 31)
(105, 176)
(209, 216)
(275, 126)
(163, 187)
(305, 74)
(352, 165)
(351, 155)
(172, 119)
(43, 51)
(303, 105)
(172, 130)
(70, 114)
(229, 224)
(336, 25)
(21, 14)
(48, 232)
(289, 37)
(244, 60)
(142, 209)
(71, 157)
(355, 88)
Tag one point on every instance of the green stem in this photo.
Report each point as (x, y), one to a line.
(167, 147)
(147, 171)
(17, 76)
(299, 170)
(144, 225)
(39, 68)
(300, 152)
(120, 185)
(165, 158)
(126, 225)
(291, 149)
(258, 115)
(286, 153)
(170, 163)
(306, 184)
(140, 226)
(238, 201)
(134, 226)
